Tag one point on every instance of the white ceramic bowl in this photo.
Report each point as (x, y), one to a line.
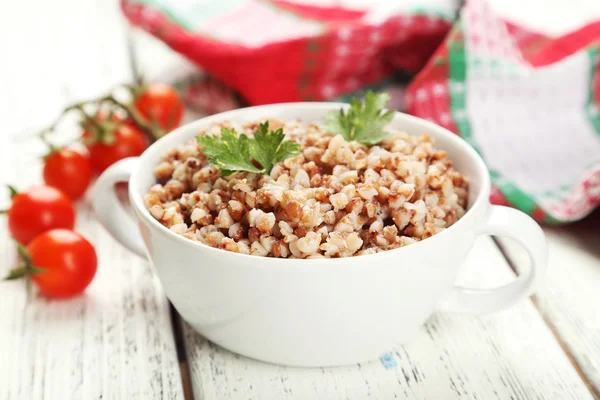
(319, 312)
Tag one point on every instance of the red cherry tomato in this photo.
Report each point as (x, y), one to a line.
(68, 262)
(38, 210)
(68, 170)
(160, 104)
(129, 141)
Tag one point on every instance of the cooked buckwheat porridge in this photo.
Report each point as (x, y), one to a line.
(334, 199)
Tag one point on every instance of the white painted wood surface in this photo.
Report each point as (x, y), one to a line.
(116, 341)
(570, 298)
(507, 355)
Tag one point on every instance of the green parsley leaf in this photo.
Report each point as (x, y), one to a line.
(268, 148)
(363, 121)
(230, 152)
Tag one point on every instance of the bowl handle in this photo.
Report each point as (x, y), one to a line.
(514, 224)
(110, 210)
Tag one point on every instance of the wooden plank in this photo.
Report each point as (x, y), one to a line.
(155, 62)
(570, 300)
(116, 340)
(511, 354)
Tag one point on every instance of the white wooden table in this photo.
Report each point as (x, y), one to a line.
(122, 340)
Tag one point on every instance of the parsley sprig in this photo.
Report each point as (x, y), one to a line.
(231, 152)
(269, 148)
(363, 121)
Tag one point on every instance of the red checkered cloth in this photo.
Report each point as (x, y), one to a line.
(528, 103)
(278, 51)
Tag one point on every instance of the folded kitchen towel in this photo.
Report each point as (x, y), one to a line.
(528, 103)
(275, 51)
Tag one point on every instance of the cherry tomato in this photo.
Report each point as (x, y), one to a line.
(160, 104)
(129, 141)
(38, 210)
(68, 170)
(68, 262)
